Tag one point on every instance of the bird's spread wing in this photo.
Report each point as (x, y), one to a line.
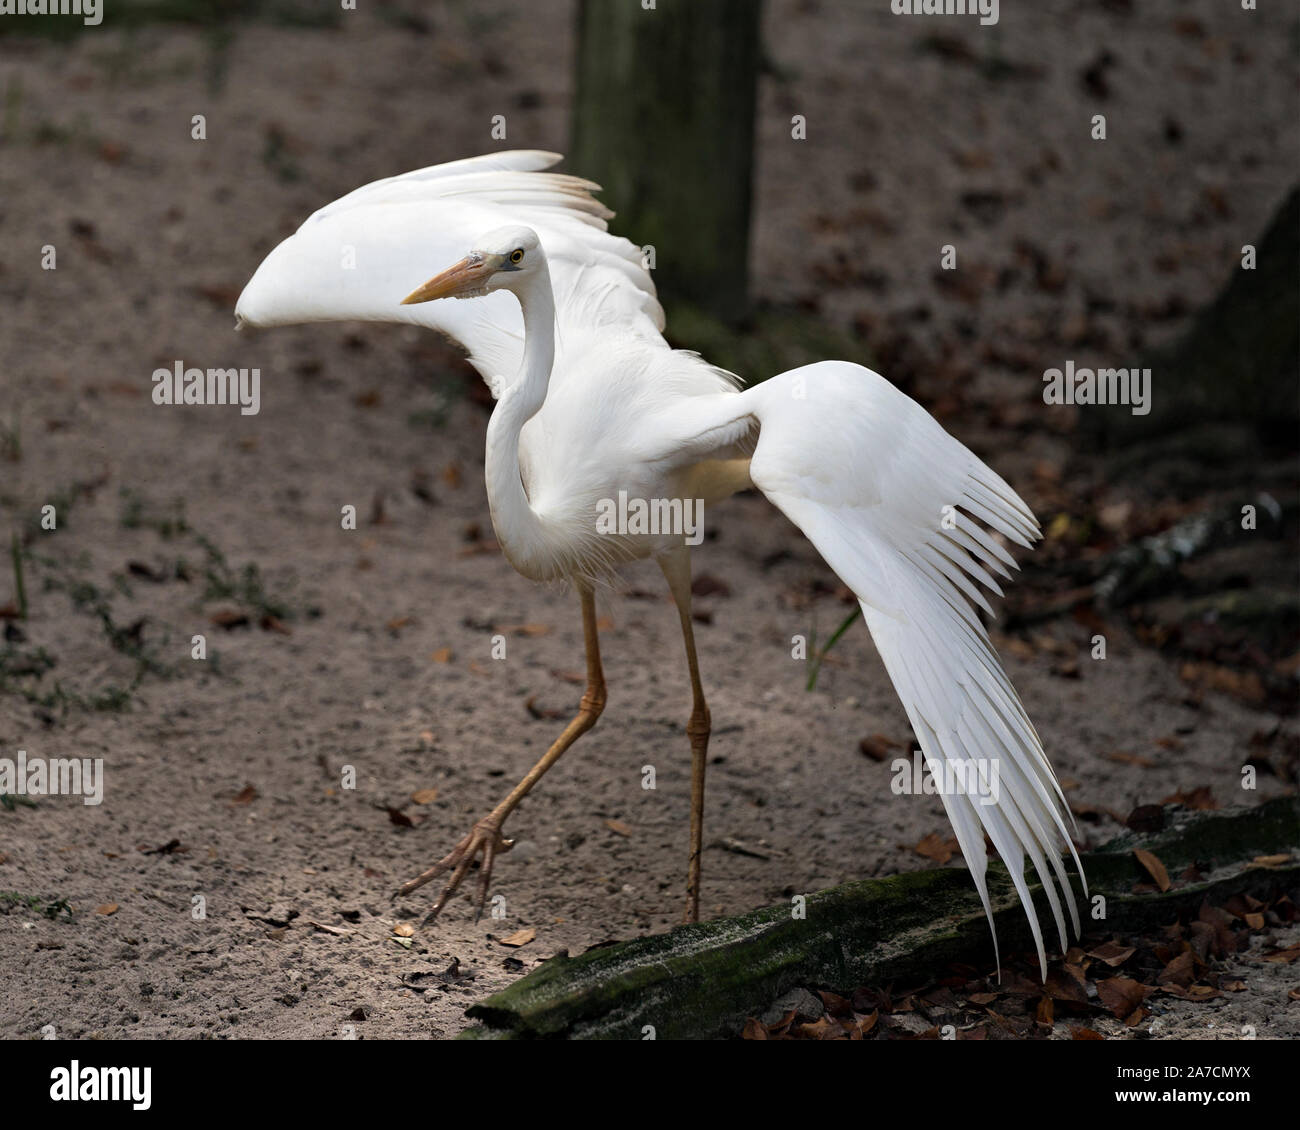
(898, 508)
(359, 256)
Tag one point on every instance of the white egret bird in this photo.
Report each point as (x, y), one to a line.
(591, 401)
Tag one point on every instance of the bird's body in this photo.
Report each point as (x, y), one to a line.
(593, 406)
(601, 431)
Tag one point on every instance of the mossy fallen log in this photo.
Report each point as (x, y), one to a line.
(702, 981)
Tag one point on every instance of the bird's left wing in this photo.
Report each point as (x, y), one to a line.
(358, 257)
(898, 509)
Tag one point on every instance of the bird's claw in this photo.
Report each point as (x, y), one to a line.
(485, 837)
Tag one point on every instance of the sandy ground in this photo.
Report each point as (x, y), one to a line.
(376, 652)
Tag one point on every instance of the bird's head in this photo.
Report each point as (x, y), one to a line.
(501, 260)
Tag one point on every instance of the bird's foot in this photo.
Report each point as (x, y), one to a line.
(485, 838)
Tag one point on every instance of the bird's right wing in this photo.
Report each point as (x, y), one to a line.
(897, 508)
(357, 257)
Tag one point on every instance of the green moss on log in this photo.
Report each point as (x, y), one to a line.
(701, 981)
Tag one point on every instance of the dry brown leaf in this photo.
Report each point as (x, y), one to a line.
(836, 1005)
(1122, 995)
(779, 1028)
(823, 1029)
(1153, 867)
(706, 585)
(1271, 860)
(107, 908)
(877, 746)
(404, 930)
(424, 796)
(1067, 984)
(1112, 953)
(619, 827)
(1283, 957)
(519, 937)
(1045, 1013)
(1121, 758)
(1200, 799)
(1018, 647)
(541, 712)
(229, 618)
(1095, 812)
(1220, 939)
(442, 655)
(1181, 971)
(246, 795)
(937, 849)
(1246, 686)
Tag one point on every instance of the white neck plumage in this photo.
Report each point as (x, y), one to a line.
(515, 521)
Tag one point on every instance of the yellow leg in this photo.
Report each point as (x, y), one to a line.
(486, 836)
(677, 571)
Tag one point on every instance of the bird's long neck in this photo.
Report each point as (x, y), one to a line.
(517, 524)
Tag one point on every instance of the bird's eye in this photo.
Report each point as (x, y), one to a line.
(517, 255)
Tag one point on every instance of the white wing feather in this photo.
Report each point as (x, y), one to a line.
(355, 259)
(868, 476)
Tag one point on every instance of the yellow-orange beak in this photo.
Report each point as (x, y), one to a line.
(465, 275)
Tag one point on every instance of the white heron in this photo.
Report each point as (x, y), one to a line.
(591, 401)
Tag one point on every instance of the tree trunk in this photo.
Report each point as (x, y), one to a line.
(1238, 362)
(664, 120)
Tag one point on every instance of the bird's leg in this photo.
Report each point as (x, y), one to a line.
(677, 571)
(485, 836)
